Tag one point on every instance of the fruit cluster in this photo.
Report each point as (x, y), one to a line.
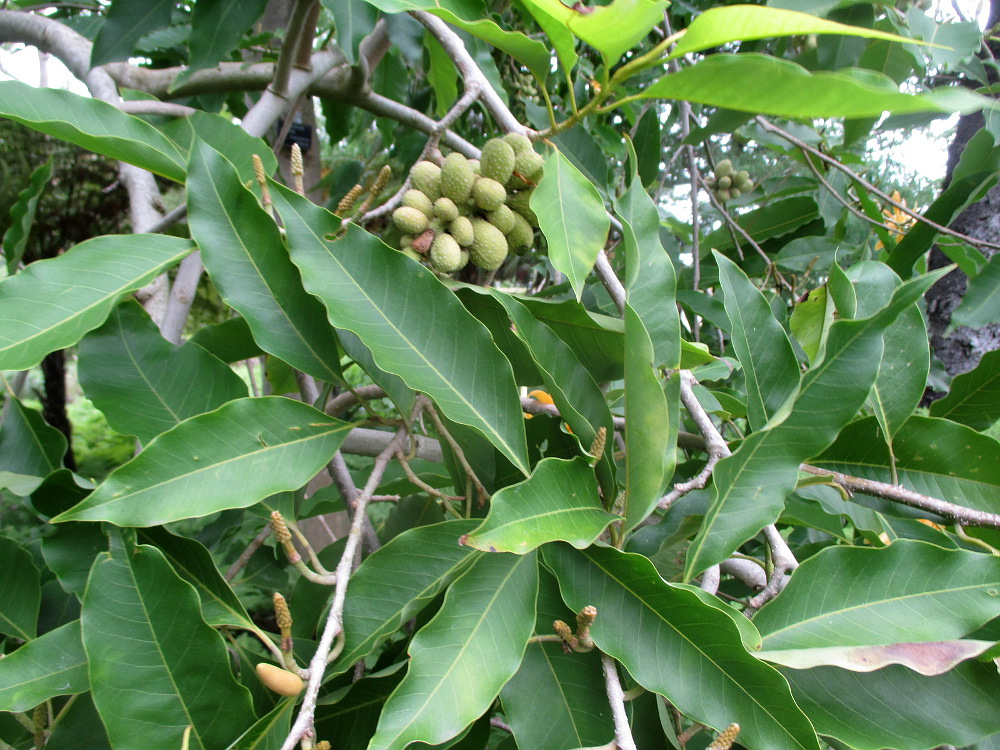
(728, 184)
(469, 209)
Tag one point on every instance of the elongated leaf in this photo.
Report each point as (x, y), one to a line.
(933, 456)
(902, 375)
(927, 658)
(145, 385)
(571, 215)
(758, 83)
(79, 725)
(409, 321)
(29, 446)
(22, 216)
(51, 304)
(69, 551)
(774, 219)
(718, 26)
(852, 596)
(896, 707)
(232, 457)
(246, 258)
(461, 658)
(569, 686)
(763, 348)
(550, 16)
(397, 581)
(127, 22)
(270, 731)
(20, 591)
(974, 397)
(750, 486)
(811, 320)
(354, 19)
(149, 650)
(225, 136)
(351, 721)
(216, 28)
(658, 632)
(558, 502)
(981, 303)
(92, 124)
(51, 665)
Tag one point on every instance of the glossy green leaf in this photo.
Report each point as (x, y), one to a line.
(896, 707)
(268, 732)
(558, 502)
(216, 28)
(981, 303)
(51, 665)
(354, 19)
(769, 363)
(855, 596)
(149, 650)
(29, 446)
(571, 215)
(974, 396)
(767, 85)
(51, 304)
(145, 385)
(246, 258)
(232, 457)
(409, 321)
(20, 591)
(127, 22)
(903, 372)
(569, 685)
(550, 17)
(933, 456)
(461, 659)
(78, 725)
(351, 721)
(225, 136)
(751, 485)
(92, 124)
(397, 581)
(718, 26)
(658, 632)
(69, 551)
(928, 658)
(22, 216)
(774, 219)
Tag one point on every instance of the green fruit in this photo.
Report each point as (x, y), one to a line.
(406, 242)
(476, 166)
(425, 176)
(457, 178)
(445, 209)
(465, 258)
(528, 165)
(521, 236)
(418, 199)
(725, 183)
(409, 252)
(735, 192)
(517, 142)
(409, 220)
(461, 230)
(446, 255)
(519, 202)
(724, 168)
(488, 194)
(497, 160)
(489, 248)
(741, 176)
(745, 187)
(502, 218)
(723, 195)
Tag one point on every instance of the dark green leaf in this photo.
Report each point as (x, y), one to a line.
(127, 22)
(216, 28)
(22, 216)
(981, 303)
(354, 19)
(351, 721)
(974, 397)
(53, 664)
(225, 136)
(270, 731)
(774, 219)
(78, 725)
(69, 551)
(29, 446)
(20, 591)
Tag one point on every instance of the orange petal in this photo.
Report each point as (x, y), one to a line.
(542, 396)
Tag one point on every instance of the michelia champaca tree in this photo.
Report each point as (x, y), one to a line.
(559, 387)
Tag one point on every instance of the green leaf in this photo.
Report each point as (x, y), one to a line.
(933, 456)
(853, 596)
(442, 75)
(558, 502)
(353, 19)
(769, 363)
(246, 258)
(903, 372)
(774, 219)
(751, 485)
(78, 725)
(811, 320)
(718, 26)
(93, 125)
(51, 665)
(142, 382)
(461, 659)
(896, 707)
(351, 721)
(51, 304)
(29, 445)
(22, 216)
(225, 136)
(20, 591)
(757, 83)
(69, 551)
(549, 16)
(232, 457)
(127, 22)
(216, 28)
(981, 303)
(409, 321)
(397, 582)
(270, 731)
(571, 215)
(569, 685)
(658, 632)
(149, 650)
(927, 658)
(974, 397)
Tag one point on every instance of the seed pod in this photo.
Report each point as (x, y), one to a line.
(477, 168)
(445, 255)
(497, 160)
(426, 177)
(723, 195)
(461, 230)
(489, 248)
(725, 183)
(409, 220)
(488, 194)
(521, 236)
(518, 142)
(735, 192)
(741, 176)
(418, 199)
(723, 168)
(529, 165)
(746, 186)
(519, 202)
(445, 209)
(281, 681)
(457, 177)
(502, 218)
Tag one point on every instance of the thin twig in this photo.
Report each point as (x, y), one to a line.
(427, 407)
(244, 558)
(613, 686)
(783, 562)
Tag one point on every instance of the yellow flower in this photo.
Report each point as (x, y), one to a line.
(544, 398)
(898, 221)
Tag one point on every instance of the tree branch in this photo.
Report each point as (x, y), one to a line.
(616, 697)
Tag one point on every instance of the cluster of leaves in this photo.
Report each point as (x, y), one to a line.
(121, 630)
